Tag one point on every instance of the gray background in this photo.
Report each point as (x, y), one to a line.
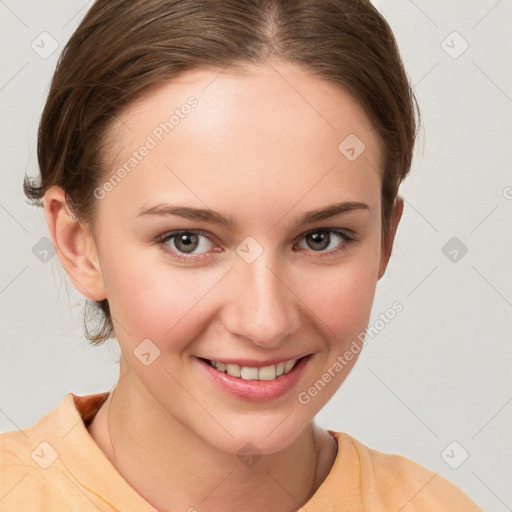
(441, 370)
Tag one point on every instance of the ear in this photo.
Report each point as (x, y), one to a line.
(75, 246)
(398, 208)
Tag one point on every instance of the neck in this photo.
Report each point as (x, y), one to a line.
(174, 469)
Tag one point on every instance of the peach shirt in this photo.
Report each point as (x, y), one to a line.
(55, 465)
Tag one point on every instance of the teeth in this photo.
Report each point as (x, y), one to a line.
(267, 372)
(232, 369)
(270, 372)
(289, 365)
(248, 373)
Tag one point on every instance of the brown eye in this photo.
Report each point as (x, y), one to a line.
(318, 241)
(326, 240)
(186, 245)
(186, 242)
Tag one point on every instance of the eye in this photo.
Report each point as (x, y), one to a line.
(186, 245)
(328, 240)
(193, 245)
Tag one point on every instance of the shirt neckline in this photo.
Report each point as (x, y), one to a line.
(89, 465)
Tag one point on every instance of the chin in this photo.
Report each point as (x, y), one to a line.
(247, 437)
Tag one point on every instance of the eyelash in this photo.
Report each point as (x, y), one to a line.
(161, 241)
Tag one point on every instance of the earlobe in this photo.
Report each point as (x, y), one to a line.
(74, 245)
(398, 208)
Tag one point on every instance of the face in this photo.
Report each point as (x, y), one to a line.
(209, 249)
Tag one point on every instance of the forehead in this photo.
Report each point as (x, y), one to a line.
(269, 96)
(267, 129)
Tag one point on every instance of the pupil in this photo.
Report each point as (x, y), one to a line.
(320, 238)
(185, 239)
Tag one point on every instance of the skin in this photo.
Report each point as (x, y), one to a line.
(261, 146)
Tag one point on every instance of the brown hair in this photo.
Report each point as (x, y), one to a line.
(123, 48)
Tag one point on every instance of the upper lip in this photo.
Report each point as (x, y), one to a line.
(254, 363)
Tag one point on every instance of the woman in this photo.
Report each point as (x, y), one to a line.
(221, 180)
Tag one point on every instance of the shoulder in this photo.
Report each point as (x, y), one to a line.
(23, 481)
(392, 481)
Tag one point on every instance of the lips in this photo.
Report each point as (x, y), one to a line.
(249, 385)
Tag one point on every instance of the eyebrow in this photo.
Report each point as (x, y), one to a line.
(213, 217)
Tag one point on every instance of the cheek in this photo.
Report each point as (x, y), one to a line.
(342, 297)
(151, 299)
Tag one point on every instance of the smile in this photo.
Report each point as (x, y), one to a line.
(254, 380)
(269, 372)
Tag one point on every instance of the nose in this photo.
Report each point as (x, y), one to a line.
(263, 307)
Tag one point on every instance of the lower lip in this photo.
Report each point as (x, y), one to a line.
(256, 390)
